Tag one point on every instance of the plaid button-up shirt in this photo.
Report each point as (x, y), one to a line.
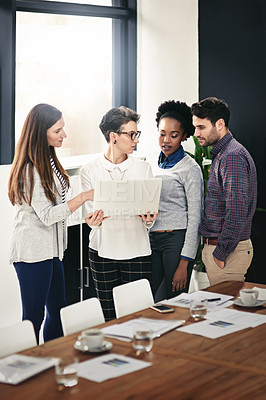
(232, 195)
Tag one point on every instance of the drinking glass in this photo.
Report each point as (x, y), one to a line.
(142, 340)
(66, 371)
(198, 308)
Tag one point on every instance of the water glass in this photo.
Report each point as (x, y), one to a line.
(66, 371)
(198, 308)
(142, 340)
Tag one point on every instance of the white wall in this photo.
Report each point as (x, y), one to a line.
(167, 62)
(10, 303)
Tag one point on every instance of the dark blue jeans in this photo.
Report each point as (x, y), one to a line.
(42, 284)
(166, 249)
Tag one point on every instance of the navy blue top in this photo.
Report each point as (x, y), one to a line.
(172, 159)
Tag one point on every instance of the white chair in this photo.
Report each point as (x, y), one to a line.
(16, 338)
(81, 315)
(131, 297)
(198, 281)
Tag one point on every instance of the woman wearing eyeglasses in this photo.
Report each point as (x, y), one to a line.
(174, 236)
(119, 247)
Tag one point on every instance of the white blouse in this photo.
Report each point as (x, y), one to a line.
(117, 238)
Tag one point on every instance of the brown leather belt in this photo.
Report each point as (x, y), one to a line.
(212, 241)
(169, 230)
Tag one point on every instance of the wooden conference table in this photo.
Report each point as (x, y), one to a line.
(184, 366)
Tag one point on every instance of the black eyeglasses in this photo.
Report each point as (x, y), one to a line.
(133, 135)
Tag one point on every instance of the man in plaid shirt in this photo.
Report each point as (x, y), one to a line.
(232, 194)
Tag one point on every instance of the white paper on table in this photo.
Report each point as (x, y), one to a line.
(223, 322)
(242, 317)
(262, 293)
(183, 300)
(125, 330)
(212, 328)
(17, 367)
(109, 366)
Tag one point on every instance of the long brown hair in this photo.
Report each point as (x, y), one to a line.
(32, 151)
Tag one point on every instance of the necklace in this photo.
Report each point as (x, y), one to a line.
(122, 176)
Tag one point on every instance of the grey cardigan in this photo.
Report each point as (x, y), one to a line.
(181, 201)
(38, 232)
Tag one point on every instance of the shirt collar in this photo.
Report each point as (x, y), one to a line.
(221, 144)
(123, 166)
(172, 159)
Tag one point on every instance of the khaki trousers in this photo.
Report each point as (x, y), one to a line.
(236, 264)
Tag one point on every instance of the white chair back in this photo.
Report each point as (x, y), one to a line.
(81, 315)
(131, 297)
(17, 338)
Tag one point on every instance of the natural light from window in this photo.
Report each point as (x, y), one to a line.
(92, 2)
(65, 61)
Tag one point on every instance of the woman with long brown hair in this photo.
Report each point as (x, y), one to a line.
(37, 187)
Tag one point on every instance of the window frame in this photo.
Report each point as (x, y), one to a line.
(124, 17)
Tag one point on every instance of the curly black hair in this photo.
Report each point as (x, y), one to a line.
(179, 111)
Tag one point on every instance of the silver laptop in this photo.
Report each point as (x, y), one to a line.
(127, 197)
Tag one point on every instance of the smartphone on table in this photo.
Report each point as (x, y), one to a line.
(161, 308)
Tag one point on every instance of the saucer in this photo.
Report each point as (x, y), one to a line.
(84, 349)
(239, 302)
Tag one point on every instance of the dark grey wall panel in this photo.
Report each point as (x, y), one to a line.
(232, 66)
(7, 81)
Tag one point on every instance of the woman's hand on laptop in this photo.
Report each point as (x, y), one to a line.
(148, 217)
(95, 218)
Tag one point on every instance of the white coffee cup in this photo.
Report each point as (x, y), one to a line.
(92, 338)
(249, 296)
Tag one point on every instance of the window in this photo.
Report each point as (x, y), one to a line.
(65, 61)
(95, 2)
(80, 58)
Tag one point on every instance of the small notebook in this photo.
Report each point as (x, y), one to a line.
(17, 367)
(127, 197)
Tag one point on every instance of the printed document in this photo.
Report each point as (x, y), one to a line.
(109, 366)
(125, 330)
(224, 322)
(216, 301)
(262, 293)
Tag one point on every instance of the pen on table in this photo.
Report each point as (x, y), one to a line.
(216, 299)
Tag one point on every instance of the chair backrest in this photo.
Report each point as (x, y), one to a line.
(81, 315)
(131, 297)
(18, 337)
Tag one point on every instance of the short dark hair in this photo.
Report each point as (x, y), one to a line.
(212, 109)
(179, 111)
(115, 118)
